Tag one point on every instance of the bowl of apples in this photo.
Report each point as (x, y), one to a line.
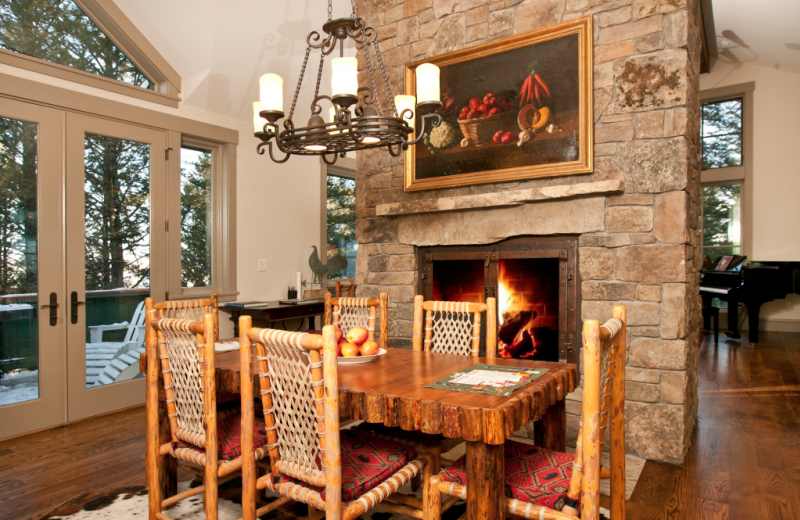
(355, 348)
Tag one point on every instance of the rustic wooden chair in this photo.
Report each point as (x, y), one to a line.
(340, 473)
(551, 485)
(345, 313)
(454, 327)
(181, 354)
(347, 290)
(188, 310)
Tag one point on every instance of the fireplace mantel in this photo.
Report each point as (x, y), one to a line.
(499, 199)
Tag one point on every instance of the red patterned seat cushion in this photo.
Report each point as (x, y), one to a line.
(415, 438)
(533, 474)
(229, 434)
(367, 461)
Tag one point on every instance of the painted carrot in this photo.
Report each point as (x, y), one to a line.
(538, 79)
(525, 91)
(536, 91)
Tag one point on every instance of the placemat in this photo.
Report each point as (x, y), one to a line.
(488, 379)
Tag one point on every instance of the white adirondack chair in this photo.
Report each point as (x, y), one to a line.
(100, 355)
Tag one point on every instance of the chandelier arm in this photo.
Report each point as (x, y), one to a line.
(437, 120)
(314, 36)
(270, 131)
(299, 83)
(400, 149)
(392, 106)
(316, 108)
(358, 138)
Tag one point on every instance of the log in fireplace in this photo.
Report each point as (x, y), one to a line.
(536, 283)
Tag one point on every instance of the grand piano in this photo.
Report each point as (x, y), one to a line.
(735, 280)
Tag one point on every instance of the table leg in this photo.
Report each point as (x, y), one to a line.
(311, 322)
(551, 431)
(485, 481)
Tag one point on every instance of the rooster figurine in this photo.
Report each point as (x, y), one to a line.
(335, 264)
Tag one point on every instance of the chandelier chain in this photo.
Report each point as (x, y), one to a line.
(385, 78)
(330, 10)
(354, 8)
(375, 90)
(300, 82)
(319, 75)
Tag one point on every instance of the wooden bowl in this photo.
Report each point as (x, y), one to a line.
(481, 131)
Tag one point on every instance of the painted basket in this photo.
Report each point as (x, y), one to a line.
(481, 131)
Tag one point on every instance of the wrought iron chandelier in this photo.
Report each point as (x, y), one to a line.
(373, 123)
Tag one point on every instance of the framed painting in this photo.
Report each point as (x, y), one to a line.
(515, 108)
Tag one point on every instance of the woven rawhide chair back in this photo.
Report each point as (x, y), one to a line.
(193, 310)
(370, 313)
(454, 327)
(604, 360)
(186, 351)
(289, 370)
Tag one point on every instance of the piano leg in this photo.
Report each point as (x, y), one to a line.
(733, 319)
(752, 321)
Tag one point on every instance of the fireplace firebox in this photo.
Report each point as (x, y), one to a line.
(535, 281)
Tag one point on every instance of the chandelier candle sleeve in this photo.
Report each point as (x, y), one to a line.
(403, 103)
(271, 90)
(428, 83)
(344, 76)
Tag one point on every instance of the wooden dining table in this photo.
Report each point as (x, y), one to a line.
(391, 391)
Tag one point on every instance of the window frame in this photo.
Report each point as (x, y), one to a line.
(344, 167)
(734, 174)
(124, 34)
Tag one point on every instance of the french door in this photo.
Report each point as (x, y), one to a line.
(82, 244)
(115, 257)
(32, 354)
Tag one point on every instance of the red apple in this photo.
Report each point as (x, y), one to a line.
(357, 335)
(339, 334)
(349, 350)
(369, 348)
(339, 349)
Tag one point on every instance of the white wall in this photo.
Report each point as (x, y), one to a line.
(776, 169)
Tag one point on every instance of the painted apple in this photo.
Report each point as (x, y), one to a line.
(369, 348)
(349, 350)
(357, 335)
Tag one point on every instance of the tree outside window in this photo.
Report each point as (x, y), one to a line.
(196, 170)
(341, 223)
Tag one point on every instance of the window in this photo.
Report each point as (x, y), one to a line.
(196, 211)
(60, 32)
(721, 133)
(721, 220)
(726, 139)
(341, 223)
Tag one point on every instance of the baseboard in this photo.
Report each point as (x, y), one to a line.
(764, 324)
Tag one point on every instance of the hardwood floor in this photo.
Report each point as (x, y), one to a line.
(744, 463)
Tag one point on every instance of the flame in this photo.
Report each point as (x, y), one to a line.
(505, 296)
(510, 300)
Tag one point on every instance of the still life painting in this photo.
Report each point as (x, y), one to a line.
(512, 109)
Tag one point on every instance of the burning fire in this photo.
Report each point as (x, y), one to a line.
(516, 332)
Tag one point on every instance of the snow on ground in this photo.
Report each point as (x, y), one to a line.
(19, 386)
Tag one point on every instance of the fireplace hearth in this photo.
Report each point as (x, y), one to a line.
(535, 281)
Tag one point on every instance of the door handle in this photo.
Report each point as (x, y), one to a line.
(73, 303)
(53, 309)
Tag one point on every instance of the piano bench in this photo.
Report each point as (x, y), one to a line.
(708, 313)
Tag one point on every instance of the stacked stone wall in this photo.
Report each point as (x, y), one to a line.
(637, 245)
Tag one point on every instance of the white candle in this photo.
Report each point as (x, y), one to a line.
(271, 90)
(299, 285)
(427, 82)
(344, 76)
(258, 121)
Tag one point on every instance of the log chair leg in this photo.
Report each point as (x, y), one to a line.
(551, 431)
(485, 481)
(431, 496)
(167, 465)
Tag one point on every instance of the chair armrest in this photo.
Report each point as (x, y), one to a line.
(96, 331)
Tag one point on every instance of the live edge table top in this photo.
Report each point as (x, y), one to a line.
(391, 390)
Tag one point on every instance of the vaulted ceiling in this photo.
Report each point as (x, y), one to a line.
(221, 47)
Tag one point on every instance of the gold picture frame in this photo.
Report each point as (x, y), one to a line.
(559, 138)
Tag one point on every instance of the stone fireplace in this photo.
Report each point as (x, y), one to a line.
(632, 222)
